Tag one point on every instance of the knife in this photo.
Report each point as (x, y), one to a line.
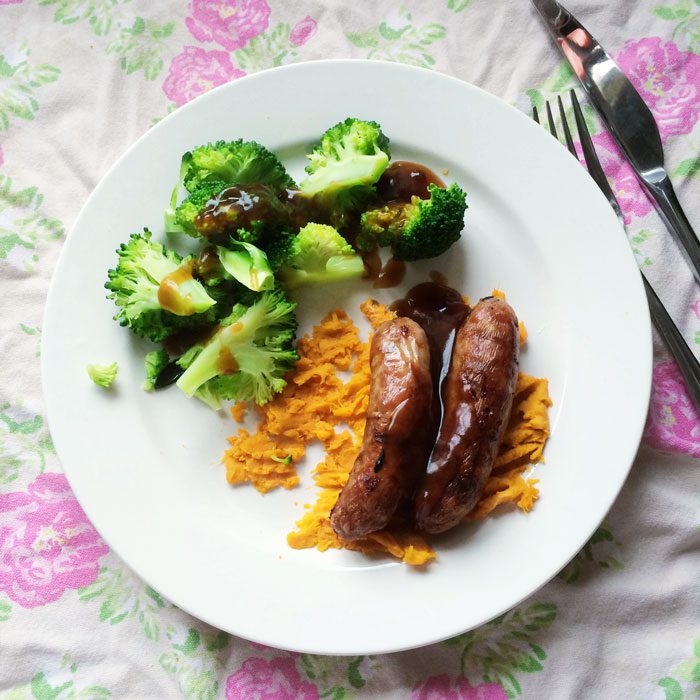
(626, 115)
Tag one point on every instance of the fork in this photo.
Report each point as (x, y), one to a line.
(687, 362)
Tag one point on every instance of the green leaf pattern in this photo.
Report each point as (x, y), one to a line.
(99, 13)
(60, 682)
(397, 38)
(122, 595)
(5, 610)
(686, 13)
(20, 78)
(194, 658)
(139, 43)
(457, 5)
(23, 225)
(560, 82)
(637, 240)
(267, 50)
(683, 683)
(25, 443)
(142, 46)
(690, 167)
(35, 332)
(339, 677)
(505, 648)
(601, 551)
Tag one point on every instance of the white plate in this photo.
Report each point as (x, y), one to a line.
(146, 467)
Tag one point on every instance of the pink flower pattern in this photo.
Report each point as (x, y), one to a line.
(302, 31)
(277, 679)
(445, 688)
(10, 2)
(667, 79)
(195, 71)
(230, 23)
(47, 544)
(695, 307)
(630, 194)
(673, 422)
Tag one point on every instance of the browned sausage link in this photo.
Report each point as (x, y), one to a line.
(395, 445)
(477, 397)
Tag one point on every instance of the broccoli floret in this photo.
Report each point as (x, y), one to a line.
(349, 159)
(181, 219)
(235, 163)
(279, 248)
(247, 213)
(103, 375)
(421, 228)
(248, 356)
(154, 290)
(247, 265)
(155, 361)
(320, 254)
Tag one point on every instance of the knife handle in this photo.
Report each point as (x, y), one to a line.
(683, 355)
(675, 219)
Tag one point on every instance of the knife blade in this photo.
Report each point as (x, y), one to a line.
(627, 117)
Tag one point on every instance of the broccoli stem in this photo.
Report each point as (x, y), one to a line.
(221, 350)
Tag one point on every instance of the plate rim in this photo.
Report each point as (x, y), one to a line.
(291, 68)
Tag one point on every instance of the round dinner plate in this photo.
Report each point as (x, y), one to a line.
(146, 467)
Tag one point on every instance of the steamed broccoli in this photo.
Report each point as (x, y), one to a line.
(155, 291)
(349, 159)
(278, 248)
(235, 163)
(421, 228)
(247, 265)
(248, 213)
(181, 219)
(103, 375)
(320, 254)
(248, 356)
(155, 361)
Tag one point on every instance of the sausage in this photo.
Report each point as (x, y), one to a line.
(477, 398)
(398, 432)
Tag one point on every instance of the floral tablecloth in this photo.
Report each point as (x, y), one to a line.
(80, 80)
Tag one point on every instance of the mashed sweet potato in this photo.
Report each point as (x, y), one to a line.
(318, 405)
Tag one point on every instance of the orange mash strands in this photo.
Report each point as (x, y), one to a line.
(316, 401)
(302, 413)
(314, 528)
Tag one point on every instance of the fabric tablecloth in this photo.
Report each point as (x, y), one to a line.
(80, 80)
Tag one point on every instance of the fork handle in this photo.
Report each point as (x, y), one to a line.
(676, 221)
(686, 360)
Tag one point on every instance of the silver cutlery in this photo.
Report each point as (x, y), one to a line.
(687, 362)
(627, 117)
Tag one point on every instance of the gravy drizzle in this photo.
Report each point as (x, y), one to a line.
(439, 310)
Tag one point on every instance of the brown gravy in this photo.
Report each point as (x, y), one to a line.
(206, 264)
(180, 342)
(170, 297)
(404, 179)
(176, 345)
(439, 310)
(226, 362)
(238, 207)
(373, 264)
(391, 274)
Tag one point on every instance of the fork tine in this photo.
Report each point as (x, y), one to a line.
(565, 126)
(535, 115)
(550, 119)
(592, 163)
